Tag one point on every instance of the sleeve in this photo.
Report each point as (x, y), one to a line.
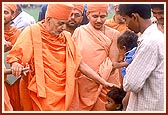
(22, 49)
(129, 56)
(141, 67)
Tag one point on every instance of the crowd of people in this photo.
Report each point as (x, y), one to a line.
(74, 59)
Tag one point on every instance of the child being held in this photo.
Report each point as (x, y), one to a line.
(114, 99)
(127, 45)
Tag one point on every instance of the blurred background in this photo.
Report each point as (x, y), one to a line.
(33, 9)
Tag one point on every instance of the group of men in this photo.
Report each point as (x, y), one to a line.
(70, 65)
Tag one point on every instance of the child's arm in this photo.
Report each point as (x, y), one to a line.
(120, 64)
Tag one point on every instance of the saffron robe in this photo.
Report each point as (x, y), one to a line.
(13, 91)
(12, 34)
(53, 62)
(7, 104)
(94, 47)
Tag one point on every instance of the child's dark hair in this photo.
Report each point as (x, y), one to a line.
(117, 94)
(128, 39)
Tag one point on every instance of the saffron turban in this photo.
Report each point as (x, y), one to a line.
(97, 7)
(79, 7)
(13, 7)
(59, 11)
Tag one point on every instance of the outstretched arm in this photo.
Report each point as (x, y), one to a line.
(86, 70)
(120, 64)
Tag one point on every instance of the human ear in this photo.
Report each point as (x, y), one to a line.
(135, 16)
(118, 106)
(87, 14)
(124, 47)
(81, 19)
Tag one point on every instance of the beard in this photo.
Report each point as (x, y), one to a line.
(72, 24)
(98, 26)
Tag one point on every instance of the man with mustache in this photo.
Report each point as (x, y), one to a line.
(144, 77)
(98, 46)
(158, 13)
(76, 18)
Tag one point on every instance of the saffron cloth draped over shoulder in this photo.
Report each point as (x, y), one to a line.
(94, 47)
(12, 34)
(51, 78)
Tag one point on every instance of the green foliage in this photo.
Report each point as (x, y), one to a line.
(110, 14)
(33, 12)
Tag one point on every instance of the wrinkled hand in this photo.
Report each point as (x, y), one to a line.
(26, 69)
(18, 69)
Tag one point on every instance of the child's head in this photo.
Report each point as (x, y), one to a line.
(127, 41)
(114, 99)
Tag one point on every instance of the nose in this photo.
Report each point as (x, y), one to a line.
(98, 19)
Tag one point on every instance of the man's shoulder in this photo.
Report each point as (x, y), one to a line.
(81, 28)
(32, 28)
(111, 30)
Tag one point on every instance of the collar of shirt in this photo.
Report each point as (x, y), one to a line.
(130, 51)
(17, 18)
(147, 31)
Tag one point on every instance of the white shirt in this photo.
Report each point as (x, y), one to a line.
(23, 20)
(145, 75)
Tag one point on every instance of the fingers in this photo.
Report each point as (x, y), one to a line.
(16, 69)
(25, 73)
(26, 69)
(110, 85)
